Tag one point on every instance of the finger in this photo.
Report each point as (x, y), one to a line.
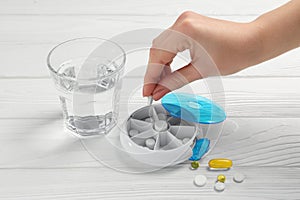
(176, 80)
(159, 60)
(164, 49)
(149, 85)
(148, 89)
(160, 92)
(166, 71)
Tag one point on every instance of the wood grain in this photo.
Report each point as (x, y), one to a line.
(97, 183)
(135, 7)
(39, 159)
(23, 35)
(248, 142)
(244, 97)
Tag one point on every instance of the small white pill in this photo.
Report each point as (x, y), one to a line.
(133, 132)
(185, 140)
(150, 143)
(219, 186)
(238, 177)
(162, 116)
(148, 120)
(160, 125)
(200, 180)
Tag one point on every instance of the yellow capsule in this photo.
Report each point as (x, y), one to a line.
(221, 178)
(220, 163)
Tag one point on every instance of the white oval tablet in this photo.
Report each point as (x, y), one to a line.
(219, 186)
(238, 177)
(200, 180)
(150, 143)
(133, 132)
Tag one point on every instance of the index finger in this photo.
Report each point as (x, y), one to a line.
(158, 60)
(164, 49)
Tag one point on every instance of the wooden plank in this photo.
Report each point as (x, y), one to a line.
(259, 142)
(245, 97)
(135, 7)
(28, 64)
(34, 143)
(261, 183)
(44, 143)
(44, 29)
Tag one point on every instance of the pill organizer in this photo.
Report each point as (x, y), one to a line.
(168, 133)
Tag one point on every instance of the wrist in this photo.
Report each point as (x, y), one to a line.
(278, 30)
(254, 44)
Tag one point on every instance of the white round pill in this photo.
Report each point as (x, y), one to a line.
(238, 177)
(150, 143)
(185, 140)
(133, 132)
(160, 125)
(219, 186)
(148, 120)
(200, 180)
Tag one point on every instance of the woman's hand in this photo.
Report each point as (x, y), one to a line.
(219, 47)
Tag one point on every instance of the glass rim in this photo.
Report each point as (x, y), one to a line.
(52, 70)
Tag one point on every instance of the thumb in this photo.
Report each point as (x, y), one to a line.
(163, 50)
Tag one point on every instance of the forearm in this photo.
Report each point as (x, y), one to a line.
(279, 30)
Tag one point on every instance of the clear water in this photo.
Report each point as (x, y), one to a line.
(89, 108)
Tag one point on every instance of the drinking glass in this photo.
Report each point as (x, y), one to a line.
(87, 73)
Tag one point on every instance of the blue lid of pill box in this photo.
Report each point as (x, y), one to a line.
(193, 108)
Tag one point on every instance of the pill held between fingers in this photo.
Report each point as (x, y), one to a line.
(238, 177)
(150, 100)
(150, 143)
(133, 132)
(219, 186)
(200, 180)
(185, 140)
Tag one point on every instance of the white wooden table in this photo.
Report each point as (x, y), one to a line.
(40, 160)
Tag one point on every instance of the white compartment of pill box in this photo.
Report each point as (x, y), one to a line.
(173, 137)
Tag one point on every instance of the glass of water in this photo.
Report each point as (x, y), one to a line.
(87, 73)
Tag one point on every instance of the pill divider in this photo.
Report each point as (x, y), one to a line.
(170, 124)
(168, 139)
